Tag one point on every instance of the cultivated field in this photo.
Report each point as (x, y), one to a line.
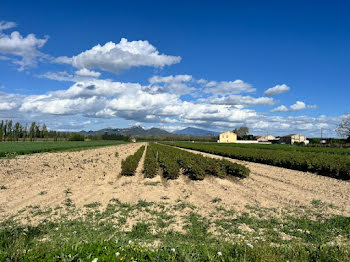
(152, 202)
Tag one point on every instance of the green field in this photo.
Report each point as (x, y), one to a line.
(95, 234)
(8, 149)
(323, 161)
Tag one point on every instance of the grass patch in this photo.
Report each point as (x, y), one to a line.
(107, 235)
(12, 149)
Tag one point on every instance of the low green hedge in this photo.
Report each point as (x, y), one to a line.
(130, 164)
(332, 165)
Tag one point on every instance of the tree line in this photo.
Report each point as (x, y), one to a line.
(10, 131)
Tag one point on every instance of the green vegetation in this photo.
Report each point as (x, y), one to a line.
(291, 148)
(130, 164)
(151, 165)
(195, 166)
(109, 234)
(9, 149)
(326, 164)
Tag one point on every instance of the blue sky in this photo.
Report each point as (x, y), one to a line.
(275, 66)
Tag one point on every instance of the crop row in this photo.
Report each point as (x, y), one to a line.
(195, 166)
(130, 164)
(291, 148)
(151, 165)
(332, 165)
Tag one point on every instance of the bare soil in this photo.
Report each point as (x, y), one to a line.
(94, 176)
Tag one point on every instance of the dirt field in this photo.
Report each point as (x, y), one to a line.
(94, 176)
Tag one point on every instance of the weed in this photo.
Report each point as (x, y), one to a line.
(216, 200)
(67, 191)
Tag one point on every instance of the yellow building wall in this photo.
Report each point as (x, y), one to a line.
(228, 137)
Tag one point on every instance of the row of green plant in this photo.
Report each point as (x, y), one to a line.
(291, 148)
(332, 165)
(195, 166)
(151, 165)
(22, 148)
(130, 164)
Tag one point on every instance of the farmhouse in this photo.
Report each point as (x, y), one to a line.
(265, 138)
(292, 138)
(227, 137)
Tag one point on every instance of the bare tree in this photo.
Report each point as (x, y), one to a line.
(343, 129)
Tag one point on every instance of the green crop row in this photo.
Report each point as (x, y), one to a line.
(292, 148)
(130, 164)
(151, 165)
(195, 166)
(332, 165)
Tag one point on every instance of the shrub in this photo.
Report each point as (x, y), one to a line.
(151, 164)
(327, 164)
(130, 164)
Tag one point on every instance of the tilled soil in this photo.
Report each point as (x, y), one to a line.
(94, 176)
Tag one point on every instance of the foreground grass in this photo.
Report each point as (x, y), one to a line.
(119, 233)
(8, 149)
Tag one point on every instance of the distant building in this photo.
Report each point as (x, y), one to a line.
(227, 137)
(133, 139)
(265, 138)
(292, 138)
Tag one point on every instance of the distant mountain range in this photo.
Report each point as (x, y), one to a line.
(139, 131)
(191, 131)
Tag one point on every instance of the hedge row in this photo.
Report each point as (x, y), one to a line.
(130, 164)
(195, 166)
(292, 148)
(332, 165)
(151, 165)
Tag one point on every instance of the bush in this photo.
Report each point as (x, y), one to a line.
(76, 137)
(130, 164)
(195, 166)
(151, 164)
(327, 164)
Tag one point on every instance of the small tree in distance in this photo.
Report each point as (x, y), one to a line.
(343, 129)
(241, 132)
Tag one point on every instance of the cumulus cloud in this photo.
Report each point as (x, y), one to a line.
(86, 72)
(281, 108)
(228, 87)
(22, 51)
(178, 84)
(242, 100)
(299, 105)
(124, 55)
(278, 89)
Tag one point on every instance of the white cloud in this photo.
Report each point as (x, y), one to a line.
(242, 100)
(7, 105)
(170, 79)
(124, 55)
(228, 87)
(86, 72)
(299, 105)
(281, 108)
(15, 45)
(6, 25)
(58, 76)
(278, 89)
(177, 84)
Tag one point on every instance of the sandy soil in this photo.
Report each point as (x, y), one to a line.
(94, 176)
